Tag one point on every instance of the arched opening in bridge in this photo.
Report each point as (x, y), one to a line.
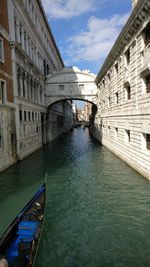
(64, 115)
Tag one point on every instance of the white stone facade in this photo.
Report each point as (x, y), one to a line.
(122, 122)
(34, 56)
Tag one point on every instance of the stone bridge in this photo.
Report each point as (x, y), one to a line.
(71, 83)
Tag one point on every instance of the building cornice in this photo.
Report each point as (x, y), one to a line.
(133, 25)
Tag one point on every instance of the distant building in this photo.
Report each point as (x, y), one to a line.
(85, 112)
(122, 122)
(34, 56)
(7, 109)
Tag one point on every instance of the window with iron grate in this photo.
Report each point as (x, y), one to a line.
(148, 141)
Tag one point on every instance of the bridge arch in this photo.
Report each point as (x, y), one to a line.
(71, 84)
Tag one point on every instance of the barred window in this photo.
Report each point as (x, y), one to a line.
(148, 141)
(127, 55)
(147, 82)
(147, 34)
(20, 115)
(128, 92)
(116, 67)
(3, 92)
(116, 97)
(61, 87)
(127, 136)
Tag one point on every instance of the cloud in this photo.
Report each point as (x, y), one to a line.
(64, 9)
(95, 43)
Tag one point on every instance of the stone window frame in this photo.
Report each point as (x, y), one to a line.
(3, 92)
(2, 56)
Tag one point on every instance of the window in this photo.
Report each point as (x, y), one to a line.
(116, 67)
(127, 136)
(81, 86)
(128, 91)
(147, 82)
(103, 83)
(29, 118)
(3, 95)
(127, 55)
(61, 87)
(116, 97)
(147, 34)
(1, 50)
(20, 115)
(33, 116)
(145, 141)
(116, 132)
(148, 141)
(25, 116)
(109, 101)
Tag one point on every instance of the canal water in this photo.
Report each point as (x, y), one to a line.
(97, 210)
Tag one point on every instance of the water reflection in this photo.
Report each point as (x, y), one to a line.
(97, 206)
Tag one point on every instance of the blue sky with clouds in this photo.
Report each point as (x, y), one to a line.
(85, 30)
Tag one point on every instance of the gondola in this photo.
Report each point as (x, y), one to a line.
(19, 243)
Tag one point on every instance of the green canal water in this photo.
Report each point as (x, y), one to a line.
(97, 210)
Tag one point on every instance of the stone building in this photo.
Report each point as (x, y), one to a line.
(122, 122)
(60, 119)
(7, 109)
(34, 56)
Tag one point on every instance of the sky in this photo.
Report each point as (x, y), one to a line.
(85, 30)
